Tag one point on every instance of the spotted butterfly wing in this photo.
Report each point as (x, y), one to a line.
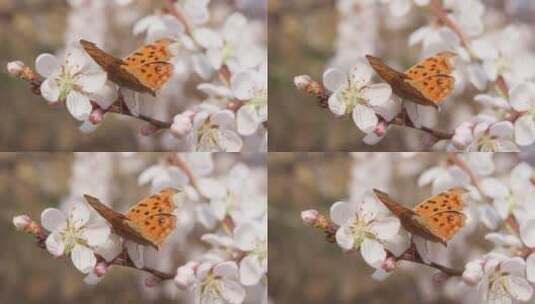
(426, 83)
(436, 219)
(153, 216)
(442, 213)
(143, 224)
(144, 71)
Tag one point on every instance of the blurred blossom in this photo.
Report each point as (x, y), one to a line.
(218, 284)
(484, 134)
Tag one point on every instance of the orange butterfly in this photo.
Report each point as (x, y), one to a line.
(147, 223)
(144, 71)
(427, 83)
(436, 219)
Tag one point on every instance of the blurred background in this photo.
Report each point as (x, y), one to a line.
(32, 182)
(307, 37)
(304, 266)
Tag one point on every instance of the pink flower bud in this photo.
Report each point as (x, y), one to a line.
(389, 264)
(182, 124)
(101, 269)
(148, 130)
(380, 129)
(302, 81)
(15, 68)
(21, 222)
(152, 281)
(96, 116)
(309, 216)
(439, 278)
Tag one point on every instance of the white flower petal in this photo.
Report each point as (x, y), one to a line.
(525, 130)
(228, 269)
(337, 105)
(365, 118)
(386, 228)
(135, 252)
(52, 219)
(232, 292)
(79, 215)
(46, 65)
(519, 288)
(247, 120)
(344, 238)
(527, 233)
(373, 252)
(54, 244)
(78, 105)
(50, 89)
(530, 268)
(377, 94)
(96, 234)
(251, 271)
(521, 97)
(333, 79)
(341, 212)
(83, 258)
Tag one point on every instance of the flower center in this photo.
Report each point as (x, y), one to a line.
(352, 96)
(207, 136)
(360, 230)
(487, 143)
(503, 65)
(72, 236)
(210, 287)
(511, 203)
(66, 82)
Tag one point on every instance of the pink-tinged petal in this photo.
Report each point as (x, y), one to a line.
(251, 271)
(243, 85)
(229, 141)
(50, 89)
(502, 129)
(494, 188)
(245, 236)
(386, 228)
(337, 105)
(361, 75)
(519, 288)
(46, 65)
(344, 238)
(493, 101)
(136, 254)
(247, 120)
(228, 269)
(365, 118)
(232, 292)
(52, 219)
(341, 212)
(333, 79)
(525, 130)
(527, 233)
(79, 215)
(54, 244)
(515, 266)
(78, 105)
(378, 94)
(111, 248)
(530, 268)
(521, 97)
(96, 234)
(83, 258)
(373, 252)
(477, 76)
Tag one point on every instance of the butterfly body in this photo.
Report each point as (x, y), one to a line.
(427, 83)
(144, 71)
(147, 223)
(437, 219)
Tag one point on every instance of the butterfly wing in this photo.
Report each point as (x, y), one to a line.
(396, 208)
(442, 213)
(149, 65)
(153, 216)
(398, 82)
(119, 222)
(434, 65)
(435, 87)
(108, 62)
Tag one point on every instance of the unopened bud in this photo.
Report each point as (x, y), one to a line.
(148, 130)
(380, 129)
(185, 275)
(152, 281)
(389, 264)
(302, 81)
(309, 216)
(15, 68)
(101, 269)
(440, 277)
(96, 116)
(182, 124)
(21, 222)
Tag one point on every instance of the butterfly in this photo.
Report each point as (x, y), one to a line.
(145, 70)
(426, 83)
(436, 219)
(147, 223)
